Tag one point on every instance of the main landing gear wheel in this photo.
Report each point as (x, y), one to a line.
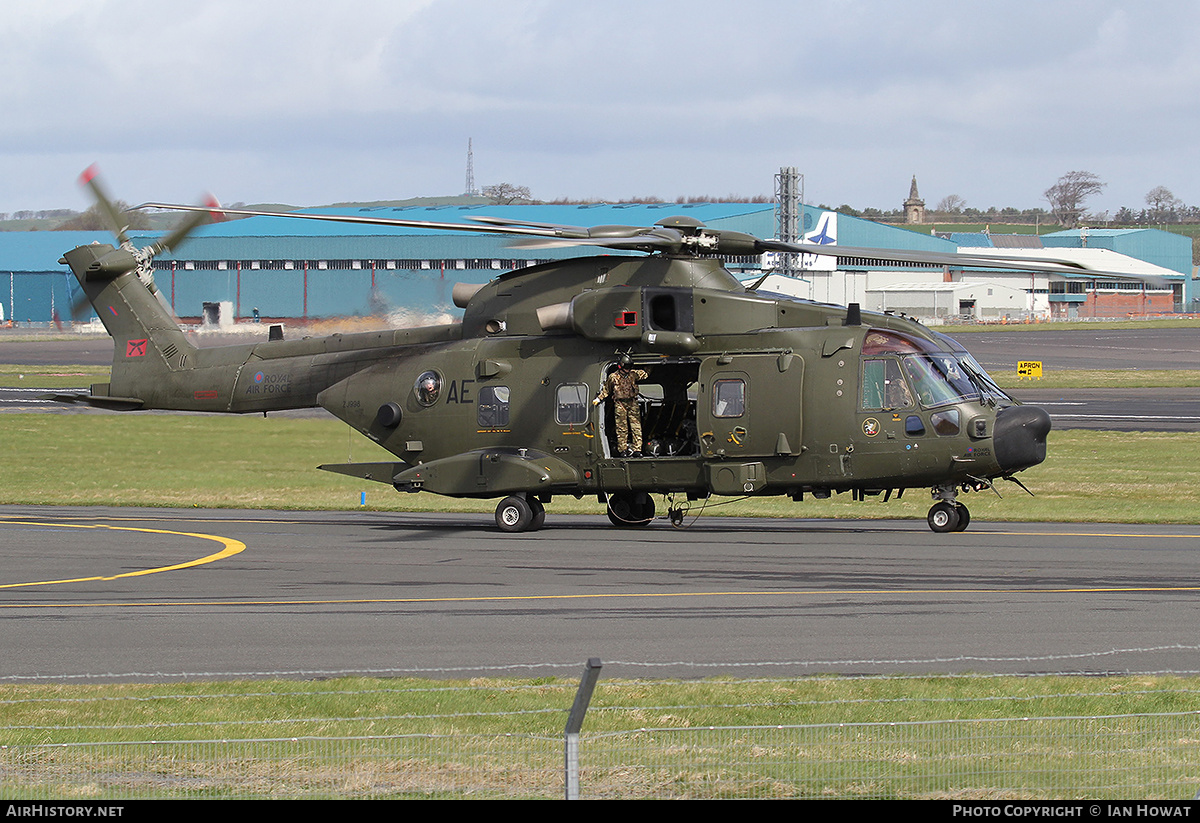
(964, 518)
(948, 517)
(630, 509)
(539, 514)
(520, 514)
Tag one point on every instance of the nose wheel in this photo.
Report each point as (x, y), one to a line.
(948, 517)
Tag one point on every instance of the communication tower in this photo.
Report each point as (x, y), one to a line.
(789, 216)
(471, 191)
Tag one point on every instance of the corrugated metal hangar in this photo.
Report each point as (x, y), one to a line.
(288, 268)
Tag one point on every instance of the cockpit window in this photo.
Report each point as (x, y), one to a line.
(986, 384)
(883, 385)
(945, 422)
(939, 379)
(878, 341)
(935, 377)
(914, 426)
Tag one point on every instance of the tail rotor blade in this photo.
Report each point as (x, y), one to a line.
(189, 224)
(111, 214)
(79, 305)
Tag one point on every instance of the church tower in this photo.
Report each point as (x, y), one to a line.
(914, 206)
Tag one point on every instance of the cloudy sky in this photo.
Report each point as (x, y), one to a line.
(308, 102)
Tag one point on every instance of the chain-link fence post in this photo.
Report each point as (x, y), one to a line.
(583, 697)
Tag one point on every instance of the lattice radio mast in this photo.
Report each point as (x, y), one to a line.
(471, 190)
(789, 216)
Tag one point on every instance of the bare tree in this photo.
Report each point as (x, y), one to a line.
(1068, 195)
(505, 194)
(1163, 204)
(951, 204)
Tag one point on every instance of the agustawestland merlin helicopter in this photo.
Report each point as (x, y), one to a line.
(744, 394)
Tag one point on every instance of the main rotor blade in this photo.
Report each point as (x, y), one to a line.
(613, 237)
(934, 258)
(566, 230)
(480, 228)
(644, 243)
(954, 259)
(581, 232)
(633, 238)
(554, 242)
(666, 239)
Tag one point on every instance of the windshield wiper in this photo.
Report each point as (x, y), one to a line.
(980, 382)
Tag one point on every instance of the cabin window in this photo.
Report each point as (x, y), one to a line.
(914, 426)
(573, 404)
(729, 398)
(493, 407)
(883, 386)
(428, 387)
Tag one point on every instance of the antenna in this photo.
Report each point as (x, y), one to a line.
(471, 190)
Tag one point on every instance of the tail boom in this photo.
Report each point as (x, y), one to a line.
(155, 366)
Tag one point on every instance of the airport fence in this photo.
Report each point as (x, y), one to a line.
(1121, 757)
(633, 749)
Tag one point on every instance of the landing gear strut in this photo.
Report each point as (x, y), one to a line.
(947, 515)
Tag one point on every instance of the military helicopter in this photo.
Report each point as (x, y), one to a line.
(743, 394)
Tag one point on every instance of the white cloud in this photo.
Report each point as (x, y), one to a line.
(314, 102)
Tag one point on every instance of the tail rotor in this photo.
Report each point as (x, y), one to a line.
(118, 224)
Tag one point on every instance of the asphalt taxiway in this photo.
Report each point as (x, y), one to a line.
(1080, 347)
(101, 594)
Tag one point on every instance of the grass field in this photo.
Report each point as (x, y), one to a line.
(51, 377)
(34, 713)
(1101, 379)
(252, 462)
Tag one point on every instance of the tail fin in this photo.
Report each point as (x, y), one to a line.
(148, 344)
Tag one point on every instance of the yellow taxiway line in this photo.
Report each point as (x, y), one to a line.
(229, 548)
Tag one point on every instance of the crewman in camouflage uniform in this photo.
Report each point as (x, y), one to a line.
(622, 386)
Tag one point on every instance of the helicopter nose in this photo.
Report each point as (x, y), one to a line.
(1020, 437)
